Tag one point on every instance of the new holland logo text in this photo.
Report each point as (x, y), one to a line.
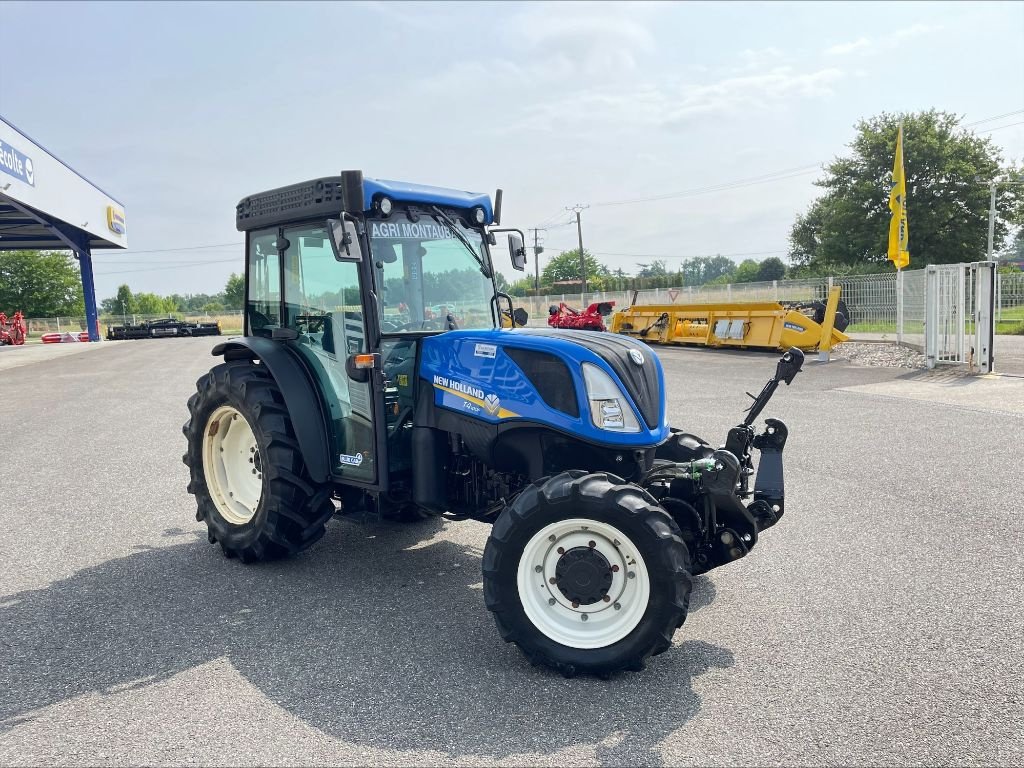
(458, 386)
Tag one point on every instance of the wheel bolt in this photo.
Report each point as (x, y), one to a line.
(615, 569)
(617, 607)
(575, 604)
(584, 617)
(591, 544)
(561, 550)
(607, 598)
(551, 580)
(551, 601)
(254, 471)
(551, 537)
(631, 575)
(537, 568)
(616, 542)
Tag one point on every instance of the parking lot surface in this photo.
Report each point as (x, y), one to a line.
(878, 623)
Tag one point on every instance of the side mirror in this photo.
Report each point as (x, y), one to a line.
(517, 252)
(345, 240)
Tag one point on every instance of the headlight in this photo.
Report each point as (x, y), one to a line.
(609, 408)
(479, 216)
(384, 206)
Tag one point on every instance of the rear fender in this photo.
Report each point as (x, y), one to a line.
(300, 397)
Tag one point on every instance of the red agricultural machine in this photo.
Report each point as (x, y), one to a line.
(12, 330)
(590, 319)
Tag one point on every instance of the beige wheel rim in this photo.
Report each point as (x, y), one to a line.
(233, 465)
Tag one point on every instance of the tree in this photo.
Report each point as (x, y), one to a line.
(771, 268)
(124, 301)
(947, 201)
(234, 292)
(40, 284)
(566, 266)
(152, 304)
(704, 269)
(747, 272)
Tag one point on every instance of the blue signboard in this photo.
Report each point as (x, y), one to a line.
(14, 163)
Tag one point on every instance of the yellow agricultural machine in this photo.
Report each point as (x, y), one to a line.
(811, 326)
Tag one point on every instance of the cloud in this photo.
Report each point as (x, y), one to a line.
(867, 46)
(593, 39)
(843, 49)
(755, 59)
(652, 105)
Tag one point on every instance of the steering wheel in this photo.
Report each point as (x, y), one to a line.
(433, 324)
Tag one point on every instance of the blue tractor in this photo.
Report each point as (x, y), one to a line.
(381, 374)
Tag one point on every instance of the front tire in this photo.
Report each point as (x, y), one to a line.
(587, 574)
(247, 473)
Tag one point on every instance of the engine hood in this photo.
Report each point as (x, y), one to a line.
(535, 374)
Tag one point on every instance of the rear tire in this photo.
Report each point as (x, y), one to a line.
(565, 549)
(247, 473)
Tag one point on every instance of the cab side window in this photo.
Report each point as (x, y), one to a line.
(263, 302)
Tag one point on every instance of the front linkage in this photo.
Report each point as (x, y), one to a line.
(704, 489)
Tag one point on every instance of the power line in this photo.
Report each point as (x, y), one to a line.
(994, 117)
(738, 183)
(172, 250)
(1000, 127)
(172, 266)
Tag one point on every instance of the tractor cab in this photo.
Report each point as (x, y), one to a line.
(350, 274)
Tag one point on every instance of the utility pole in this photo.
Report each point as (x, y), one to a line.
(537, 251)
(992, 186)
(577, 209)
(991, 218)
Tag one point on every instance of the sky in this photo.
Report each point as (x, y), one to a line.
(180, 110)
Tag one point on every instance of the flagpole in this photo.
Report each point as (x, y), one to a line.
(899, 306)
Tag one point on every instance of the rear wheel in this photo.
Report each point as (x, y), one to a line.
(247, 473)
(587, 574)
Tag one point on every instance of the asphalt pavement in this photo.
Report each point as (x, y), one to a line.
(878, 623)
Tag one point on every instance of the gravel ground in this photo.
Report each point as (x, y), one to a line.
(879, 623)
(880, 355)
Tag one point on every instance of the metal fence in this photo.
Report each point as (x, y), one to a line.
(871, 300)
(1009, 297)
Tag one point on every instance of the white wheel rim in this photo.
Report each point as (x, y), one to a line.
(601, 623)
(232, 465)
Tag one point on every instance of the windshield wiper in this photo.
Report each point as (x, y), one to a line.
(450, 223)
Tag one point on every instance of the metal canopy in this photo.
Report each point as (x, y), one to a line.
(24, 228)
(47, 205)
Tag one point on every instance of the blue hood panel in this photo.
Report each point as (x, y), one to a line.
(471, 374)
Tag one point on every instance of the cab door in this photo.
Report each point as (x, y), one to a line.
(321, 302)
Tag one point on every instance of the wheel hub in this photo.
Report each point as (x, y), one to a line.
(583, 575)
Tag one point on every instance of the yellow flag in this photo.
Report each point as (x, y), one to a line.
(899, 231)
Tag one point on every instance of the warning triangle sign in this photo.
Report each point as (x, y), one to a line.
(672, 293)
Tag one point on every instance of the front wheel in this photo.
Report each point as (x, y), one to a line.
(587, 574)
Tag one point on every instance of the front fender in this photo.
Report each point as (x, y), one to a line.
(300, 396)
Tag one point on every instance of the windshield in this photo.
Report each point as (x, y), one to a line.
(427, 277)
